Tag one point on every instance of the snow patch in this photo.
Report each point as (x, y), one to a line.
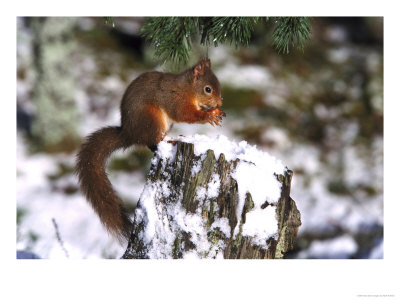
(223, 225)
(341, 247)
(213, 186)
(246, 76)
(261, 224)
(165, 150)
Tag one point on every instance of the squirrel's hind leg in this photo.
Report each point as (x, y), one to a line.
(153, 127)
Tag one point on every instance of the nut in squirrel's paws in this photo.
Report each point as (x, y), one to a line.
(215, 116)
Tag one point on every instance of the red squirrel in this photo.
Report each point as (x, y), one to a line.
(150, 104)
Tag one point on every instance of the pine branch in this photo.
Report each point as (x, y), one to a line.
(232, 30)
(291, 31)
(172, 36)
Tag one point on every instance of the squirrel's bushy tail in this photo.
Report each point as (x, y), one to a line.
(97, 188)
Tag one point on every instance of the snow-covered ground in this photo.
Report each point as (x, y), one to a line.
(40, 200)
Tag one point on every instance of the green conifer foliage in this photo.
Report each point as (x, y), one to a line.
(172, 36)
(291, 31)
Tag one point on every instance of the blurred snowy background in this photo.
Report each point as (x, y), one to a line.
(320, 112)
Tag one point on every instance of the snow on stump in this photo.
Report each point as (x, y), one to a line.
(213, 198)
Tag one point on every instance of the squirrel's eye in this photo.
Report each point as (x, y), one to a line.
(207, 89)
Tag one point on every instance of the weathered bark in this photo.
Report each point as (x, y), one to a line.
(183, 186)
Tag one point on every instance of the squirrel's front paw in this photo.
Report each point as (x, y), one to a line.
(215, 116)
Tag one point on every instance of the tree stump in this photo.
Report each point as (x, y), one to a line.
(195, 205)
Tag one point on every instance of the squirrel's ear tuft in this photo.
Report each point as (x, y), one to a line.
(199, 68)
(206, 62)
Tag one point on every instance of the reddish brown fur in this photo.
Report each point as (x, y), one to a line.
(95, 184)
(151, 102)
